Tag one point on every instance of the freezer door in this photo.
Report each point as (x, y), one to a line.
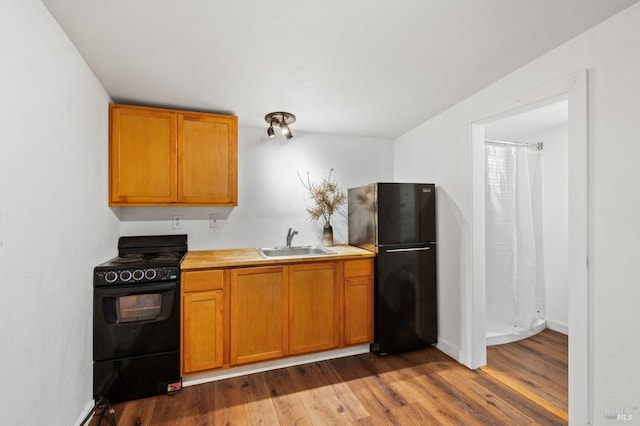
(406, 213)
(405, 315)
(362, 217)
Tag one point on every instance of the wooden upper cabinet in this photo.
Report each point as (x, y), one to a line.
(168, 157)
(143, 156)
(207, 163)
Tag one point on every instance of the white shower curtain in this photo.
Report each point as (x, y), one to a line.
(514, 267)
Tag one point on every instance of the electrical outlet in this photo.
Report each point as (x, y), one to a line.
(177, 222)
(213, 222)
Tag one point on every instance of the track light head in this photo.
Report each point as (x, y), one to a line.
(286, 131)
(281, 119)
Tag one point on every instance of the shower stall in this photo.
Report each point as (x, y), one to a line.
(515, 299)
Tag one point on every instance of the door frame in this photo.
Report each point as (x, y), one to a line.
(574, 88)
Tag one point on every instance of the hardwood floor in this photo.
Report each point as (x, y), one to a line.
(518, 364)
(423, 387)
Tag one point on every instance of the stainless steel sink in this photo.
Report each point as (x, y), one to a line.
(300, 251)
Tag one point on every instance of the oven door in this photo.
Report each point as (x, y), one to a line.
(135, 320)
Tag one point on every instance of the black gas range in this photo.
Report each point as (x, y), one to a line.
(136, 319)
(143, 259)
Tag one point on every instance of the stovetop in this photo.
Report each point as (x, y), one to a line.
(143, 260)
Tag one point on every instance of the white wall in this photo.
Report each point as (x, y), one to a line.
(54, 221)
(271, 198)
(439, 150)
(556, 222)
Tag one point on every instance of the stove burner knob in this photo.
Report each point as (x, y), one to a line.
(150, 274)
(110, 276)
(138, 275)
(125, 275)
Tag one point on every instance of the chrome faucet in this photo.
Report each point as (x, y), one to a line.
(290, 234)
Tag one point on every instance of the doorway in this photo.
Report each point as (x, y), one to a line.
(526, 237)
(573, 89)
(526, 222)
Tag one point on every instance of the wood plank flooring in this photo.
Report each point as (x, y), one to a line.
(518, 364)
(423, 387)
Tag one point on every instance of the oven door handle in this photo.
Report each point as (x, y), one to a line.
(123, 290)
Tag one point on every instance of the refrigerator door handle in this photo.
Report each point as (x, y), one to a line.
(408, 249)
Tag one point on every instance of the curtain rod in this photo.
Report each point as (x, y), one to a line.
(537, 145)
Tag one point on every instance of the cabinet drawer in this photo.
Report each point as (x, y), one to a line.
(358, 268)
(202, 280)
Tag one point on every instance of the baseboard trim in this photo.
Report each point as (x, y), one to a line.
(558, 326)
(449, 349)
(85, 412)
(197, 379)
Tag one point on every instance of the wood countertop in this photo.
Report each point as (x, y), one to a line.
(207, 259)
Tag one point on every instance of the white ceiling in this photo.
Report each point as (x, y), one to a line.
(357, 67)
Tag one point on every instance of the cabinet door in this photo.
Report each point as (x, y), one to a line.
(258, 314)
(143, 153)
(314, 307)
(207, 159)
(202, 331)
(358, 311)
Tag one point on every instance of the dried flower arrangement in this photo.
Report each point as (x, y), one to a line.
(327, 197)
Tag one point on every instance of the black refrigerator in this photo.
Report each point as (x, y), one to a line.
(397, 221)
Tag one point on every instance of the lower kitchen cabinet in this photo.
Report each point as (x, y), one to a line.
(358, 311)
(314, 303)
(202, 331)
(238, 315)
(203, 320)
(259, 312)
(358, 301)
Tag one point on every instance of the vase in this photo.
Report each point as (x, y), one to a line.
(327, 235)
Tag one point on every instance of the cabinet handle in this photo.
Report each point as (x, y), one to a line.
(408, 249)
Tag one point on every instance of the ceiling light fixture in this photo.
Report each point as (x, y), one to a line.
(282, 120)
